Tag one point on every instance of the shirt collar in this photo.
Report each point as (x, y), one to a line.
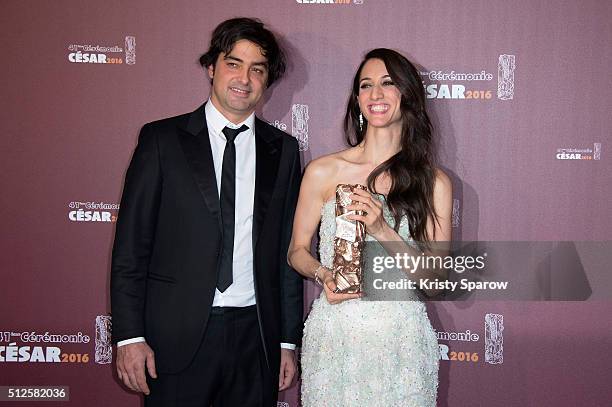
(216, 121)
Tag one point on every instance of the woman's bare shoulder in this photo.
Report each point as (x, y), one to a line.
(442, 181)
(326, 166)
(324, 171)
(443, 190)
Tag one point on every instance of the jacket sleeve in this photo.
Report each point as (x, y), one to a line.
(134, 238)
(292, 294)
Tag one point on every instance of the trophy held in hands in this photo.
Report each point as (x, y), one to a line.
(348, 243)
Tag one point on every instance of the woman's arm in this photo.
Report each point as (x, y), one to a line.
(315, 183)
(307, 218)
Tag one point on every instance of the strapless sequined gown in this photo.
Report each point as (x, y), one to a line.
(367, 353)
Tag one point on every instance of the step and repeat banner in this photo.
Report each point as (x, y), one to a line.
(517, 91)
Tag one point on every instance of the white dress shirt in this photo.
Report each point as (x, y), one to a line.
(241, 293)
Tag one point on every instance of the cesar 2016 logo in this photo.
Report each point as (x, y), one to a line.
(92, 211)
(493, 342)
(97, 54)
(444, 84)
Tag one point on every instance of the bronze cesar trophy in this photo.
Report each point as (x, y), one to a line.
(348, 243)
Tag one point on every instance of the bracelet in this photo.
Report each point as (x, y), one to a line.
(316, 275)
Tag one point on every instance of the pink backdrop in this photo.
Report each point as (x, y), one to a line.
(533, 76)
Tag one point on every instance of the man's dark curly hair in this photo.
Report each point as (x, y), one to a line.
(230, 31)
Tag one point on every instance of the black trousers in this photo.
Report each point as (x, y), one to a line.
(228, 370)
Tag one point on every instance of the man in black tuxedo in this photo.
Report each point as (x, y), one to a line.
(205, 308)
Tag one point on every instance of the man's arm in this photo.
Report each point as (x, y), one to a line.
(134, 238)
(292, 294)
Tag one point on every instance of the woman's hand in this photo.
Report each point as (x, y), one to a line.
(372, 210)
(330, 288)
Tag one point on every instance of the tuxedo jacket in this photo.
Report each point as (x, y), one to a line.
(169, 237)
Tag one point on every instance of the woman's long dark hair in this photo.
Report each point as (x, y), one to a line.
(411, 170)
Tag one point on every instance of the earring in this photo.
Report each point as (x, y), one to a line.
(360, 122)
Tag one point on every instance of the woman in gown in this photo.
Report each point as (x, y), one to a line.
(373, 353)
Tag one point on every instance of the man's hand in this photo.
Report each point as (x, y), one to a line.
(131, 361)
(287, 369)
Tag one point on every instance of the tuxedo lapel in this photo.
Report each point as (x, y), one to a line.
(268, 151)
(196, 146)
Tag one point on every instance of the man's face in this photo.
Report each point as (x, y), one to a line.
(238, 80)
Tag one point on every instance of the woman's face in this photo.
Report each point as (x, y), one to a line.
(379, 98)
